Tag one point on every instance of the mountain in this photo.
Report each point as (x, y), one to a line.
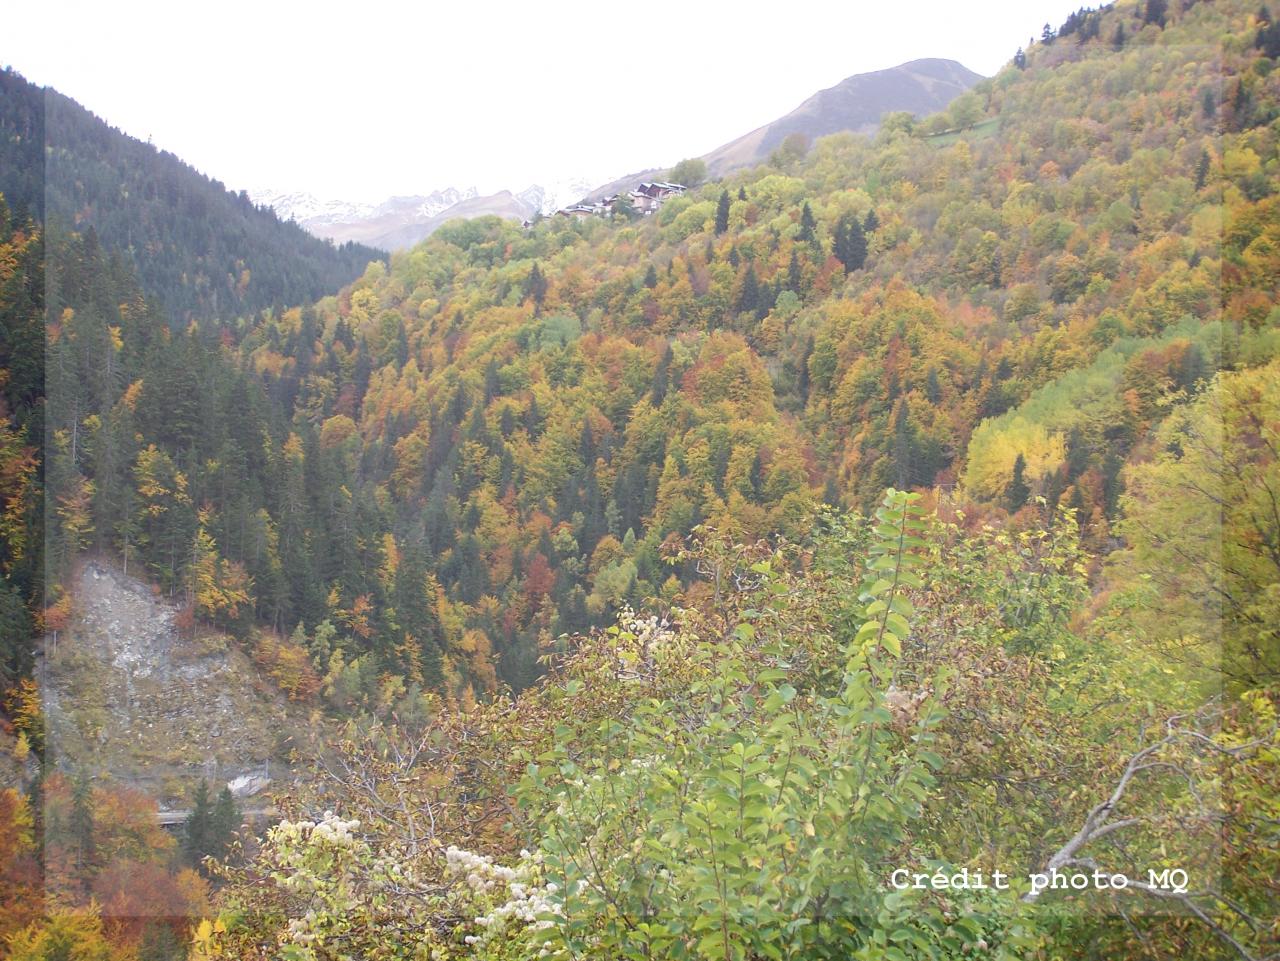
(404, 221)
(856, 104)
(1047, 312)
(554, 195)
(530, 414)
(334, 219)
(397, 222)
(396, 233)
(197, 247)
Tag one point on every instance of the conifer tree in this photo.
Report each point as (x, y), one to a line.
(82, 827)
(808, 226)
(722, 213)
(1017, 492)
(223, 823)
(160, 943)
(1202, 170)
(662, 376)
(1268, 39)
(535, 287)
(850, 243)
(197, 828)
(793, 273)
(749, 294)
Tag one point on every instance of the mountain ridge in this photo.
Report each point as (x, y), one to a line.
(203, 250)
(856, 104)
(835, 109)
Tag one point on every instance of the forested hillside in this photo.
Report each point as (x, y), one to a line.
(431, 503)
(197, 248)
(528, 416)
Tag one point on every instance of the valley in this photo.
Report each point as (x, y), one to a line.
(892, 494)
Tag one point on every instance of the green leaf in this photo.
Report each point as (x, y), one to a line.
(898, 624)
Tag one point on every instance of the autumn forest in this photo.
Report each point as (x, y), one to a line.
(657, 586)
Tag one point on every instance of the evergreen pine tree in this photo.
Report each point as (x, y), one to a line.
(1076, 504)
(662, 376)
(160, 943)
(81, 826)
(223, 823)
(749, 293)
(802, 373)
(1017, 491)
(808, 226)
(793, 273)
(850, 243)
(1202, 170)
(722, 213)
(535, 287)
(492, 386)
(651, 277)
(1020, 59)
(1268, 39)
(196, 830)
(903, 447)
(932, 389)
(1112, 484)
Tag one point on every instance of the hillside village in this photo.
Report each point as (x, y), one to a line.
(646, 198)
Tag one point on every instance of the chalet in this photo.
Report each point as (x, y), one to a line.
(646, 198)
(578, 210)
(660, 190)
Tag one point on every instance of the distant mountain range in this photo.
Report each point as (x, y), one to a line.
(855, 104)
(400, 222)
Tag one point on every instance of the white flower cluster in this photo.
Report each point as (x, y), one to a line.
(301, 929)
(317, 860)
(526, 902)
(329, 829)
(481, 873)
(651, 633)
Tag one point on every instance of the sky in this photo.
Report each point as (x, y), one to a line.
(361, 101)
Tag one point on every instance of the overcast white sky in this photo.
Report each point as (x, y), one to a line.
(359, 101)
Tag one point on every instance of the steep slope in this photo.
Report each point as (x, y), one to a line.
(131, 695)
(855, 104)
(197, 247)
(504, 435)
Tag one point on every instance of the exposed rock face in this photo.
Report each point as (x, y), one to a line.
(130, 696)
